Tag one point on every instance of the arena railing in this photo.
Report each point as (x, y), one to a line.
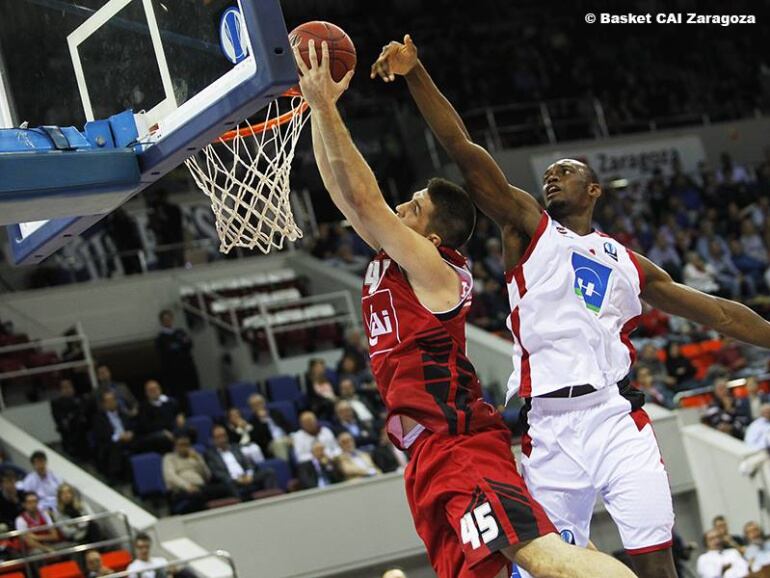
(219, 554)
(680, 399)
(29, 561)
(50, 342)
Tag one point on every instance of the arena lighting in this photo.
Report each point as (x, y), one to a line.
(619, 183)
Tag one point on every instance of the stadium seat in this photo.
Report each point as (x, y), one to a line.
(221, 503)
(118, 560)
(202, 425)
(282, 471)
(200, 448)
(239, 393)
(289, 411)
(267, 494)
(205, 402)
(148, 474)
(331, 375)
(68, 569)
(284, 388)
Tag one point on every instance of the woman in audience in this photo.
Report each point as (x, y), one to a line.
(320, 391)
(68, 507)
(239, 431)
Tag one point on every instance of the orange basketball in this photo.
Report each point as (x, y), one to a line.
(342, 52)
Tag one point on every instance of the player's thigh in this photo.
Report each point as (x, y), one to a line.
(635, 488)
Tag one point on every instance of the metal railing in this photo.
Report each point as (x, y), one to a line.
(732, 384)
(50, 342)
(28, 561)
(221, 554)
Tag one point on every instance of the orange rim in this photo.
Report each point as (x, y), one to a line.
(250, 129)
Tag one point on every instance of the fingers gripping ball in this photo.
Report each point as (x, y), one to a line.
(342, 53)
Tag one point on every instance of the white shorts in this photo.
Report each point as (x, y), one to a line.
(594, 444)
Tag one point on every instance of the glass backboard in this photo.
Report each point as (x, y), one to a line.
(189, 70)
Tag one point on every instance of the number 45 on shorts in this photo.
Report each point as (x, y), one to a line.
(479, 525)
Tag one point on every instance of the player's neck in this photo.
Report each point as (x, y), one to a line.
(578, 223)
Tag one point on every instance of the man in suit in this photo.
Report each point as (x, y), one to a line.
(113, 433)
(71, 413)
(157, 420)
(354, 463)
(126, 400)
(229, 466)
(345, 420)
(320, 471)
(174, 346)
(271, 429)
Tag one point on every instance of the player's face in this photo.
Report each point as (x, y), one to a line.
(416, 213)
(567, 188)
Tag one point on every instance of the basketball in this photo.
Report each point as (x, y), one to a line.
(342, 52)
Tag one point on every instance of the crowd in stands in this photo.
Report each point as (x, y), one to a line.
(733, 556)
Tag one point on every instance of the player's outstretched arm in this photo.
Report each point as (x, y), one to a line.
(727, 317)
(507, 205)
(331, 185)
(362, 198)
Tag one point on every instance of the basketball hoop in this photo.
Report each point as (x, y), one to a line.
(245, 175)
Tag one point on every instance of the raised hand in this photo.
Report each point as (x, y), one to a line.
(316, 82)
(396, 58)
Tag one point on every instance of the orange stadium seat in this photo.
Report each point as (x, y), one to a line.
(118, 560)
(699, 400)
(61, 570)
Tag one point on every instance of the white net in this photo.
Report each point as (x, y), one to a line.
(245, 175)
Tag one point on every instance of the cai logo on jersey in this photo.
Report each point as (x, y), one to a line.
(381, 321)
(591, 281)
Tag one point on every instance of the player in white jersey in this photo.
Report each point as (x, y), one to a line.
(575, 296)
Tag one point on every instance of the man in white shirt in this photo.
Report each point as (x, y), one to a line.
(718, 562)
(41, 481)
(348, 393)
(152, 567)
(757, 433)
(309, 433)
(757, 546)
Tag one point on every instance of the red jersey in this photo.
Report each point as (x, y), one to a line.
(418, 356)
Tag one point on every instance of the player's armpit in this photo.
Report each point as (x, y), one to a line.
(728, 317)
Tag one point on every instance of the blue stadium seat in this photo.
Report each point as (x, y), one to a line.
(200, 448)
(202, 425)
(284, 388)
(147, 471)
(239, 393)
(331, 375)
(205, 402)
(289, 411)
(282, 471)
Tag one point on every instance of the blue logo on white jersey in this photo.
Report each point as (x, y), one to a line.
(233, 36)
(591, 281)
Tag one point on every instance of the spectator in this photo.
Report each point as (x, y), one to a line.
(320, 391)
(493, 260)
(730, 540)
(347, 421)
(229, 466)
(41, 481)
(758, 433)
(665, 256)
(349, 368)
(348, 393)
(719, 561)
(38, 541)
(724, 414)
(113, 434)
(386, 456)
(319, 471)
(68, 507)
(174, 346)
(679, 368)
(240, 432)
(354, 463)
(653, 392)
(94, 565)
(355, 345)
(749, 266)
(270, 429)
(729, 173)
(757, 550)
(726, 274)
(752, 243)
(700, 275)
(650, 359)
(310, 432)
(731, 356)
(11, 500)
(126, 400)
(189, 479)
(70, 413)
(148, 566)
(755, 398)
(158, 418)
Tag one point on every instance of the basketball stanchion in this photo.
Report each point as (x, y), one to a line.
(245, 174)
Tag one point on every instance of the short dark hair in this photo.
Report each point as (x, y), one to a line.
(142, 537)
(164, 312)
(454, 215)
(37, 455)
(719, 518)
(592, 176)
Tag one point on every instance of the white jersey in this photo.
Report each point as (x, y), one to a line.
(574, 300)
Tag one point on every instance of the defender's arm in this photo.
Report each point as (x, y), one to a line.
(727, 317)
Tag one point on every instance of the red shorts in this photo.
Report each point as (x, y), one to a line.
(469, 502)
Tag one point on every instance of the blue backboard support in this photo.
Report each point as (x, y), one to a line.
(274, 73)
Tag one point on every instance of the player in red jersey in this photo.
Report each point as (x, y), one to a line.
(469, 503)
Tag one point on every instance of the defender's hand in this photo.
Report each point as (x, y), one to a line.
(316, 82)
(395, 59)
